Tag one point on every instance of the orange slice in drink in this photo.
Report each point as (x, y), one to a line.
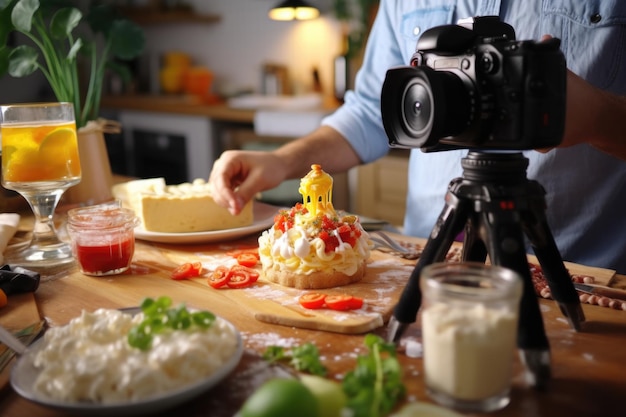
(59, 152)
(59, 139)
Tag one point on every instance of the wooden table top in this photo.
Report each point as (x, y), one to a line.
(588, 367)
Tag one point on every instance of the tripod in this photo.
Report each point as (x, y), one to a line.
(495, 204)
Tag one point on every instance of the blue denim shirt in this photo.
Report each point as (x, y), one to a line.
(586, 188)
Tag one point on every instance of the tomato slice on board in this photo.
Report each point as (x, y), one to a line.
(356, 303)
(187, 270)
(240, 278)
(254, 274)
(219, 277)
(312, 300)
(340, 302)
(247, 259)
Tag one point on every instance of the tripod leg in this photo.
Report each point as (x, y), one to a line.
(449, 223)
(557, 276)
(506, 248)
(474, 249)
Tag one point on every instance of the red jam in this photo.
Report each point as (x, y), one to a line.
(115, 256)
(103, 239)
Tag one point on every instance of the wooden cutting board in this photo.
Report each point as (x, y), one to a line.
(272, 303)
(380, 289)
(601, 276)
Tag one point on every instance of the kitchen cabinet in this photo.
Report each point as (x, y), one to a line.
(381, 188)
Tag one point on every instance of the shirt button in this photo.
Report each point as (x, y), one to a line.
(416, 30)
(595, 18)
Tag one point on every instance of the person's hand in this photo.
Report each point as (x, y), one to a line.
(238, 175)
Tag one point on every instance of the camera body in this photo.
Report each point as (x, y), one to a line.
(472, 85)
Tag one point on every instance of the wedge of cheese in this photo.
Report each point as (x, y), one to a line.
(182, 208)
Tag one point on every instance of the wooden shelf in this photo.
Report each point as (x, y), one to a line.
(159, 17)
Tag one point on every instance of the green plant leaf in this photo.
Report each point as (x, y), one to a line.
(71, 55)
(22, 14)
(127, 39)
(23, 61)
(100, 18)
(5, 4)
(64, 21)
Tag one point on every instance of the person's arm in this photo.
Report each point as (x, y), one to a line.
(596, 117)
(238, 175)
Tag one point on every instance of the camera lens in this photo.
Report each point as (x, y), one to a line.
(417, 114)
(420, 106)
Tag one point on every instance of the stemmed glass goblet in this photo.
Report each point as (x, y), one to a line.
(40, 161)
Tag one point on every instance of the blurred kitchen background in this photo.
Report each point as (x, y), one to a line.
(249, 82)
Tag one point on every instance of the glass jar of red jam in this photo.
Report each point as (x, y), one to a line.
(103, 238)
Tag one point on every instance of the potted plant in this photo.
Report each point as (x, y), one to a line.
(59, 48)
(65, 44)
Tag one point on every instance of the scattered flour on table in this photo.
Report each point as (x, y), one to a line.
(260, 341)
(211, 262)
(267, 292)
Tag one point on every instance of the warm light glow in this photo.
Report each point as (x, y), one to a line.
(293, 10)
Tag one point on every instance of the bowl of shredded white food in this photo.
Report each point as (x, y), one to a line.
(89, 364)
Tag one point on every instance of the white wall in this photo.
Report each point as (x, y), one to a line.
(236, 47)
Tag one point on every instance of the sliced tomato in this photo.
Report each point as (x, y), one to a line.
(247, 259)
(356, 303)
(240, 278)
(312, 300)
(187, 270)
(219, 277)
(254, 274)
(340, 302)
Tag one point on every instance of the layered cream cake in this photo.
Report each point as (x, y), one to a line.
(182, 208)
(312, 246)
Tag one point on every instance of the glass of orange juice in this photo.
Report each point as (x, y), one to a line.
(40, 161)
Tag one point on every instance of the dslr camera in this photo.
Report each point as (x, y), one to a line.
(472, 85)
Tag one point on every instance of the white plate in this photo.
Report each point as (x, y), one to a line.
(24, 375)
(263, 218)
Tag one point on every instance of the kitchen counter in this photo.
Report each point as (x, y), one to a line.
(188, 105)
(588, 367)
(178, 104)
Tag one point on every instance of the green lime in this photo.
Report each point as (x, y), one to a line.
(281, 397)
(329, 394)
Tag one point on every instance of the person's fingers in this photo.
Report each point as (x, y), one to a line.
(224, 179)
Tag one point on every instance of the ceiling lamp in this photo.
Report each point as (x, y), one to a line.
(293, 10)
